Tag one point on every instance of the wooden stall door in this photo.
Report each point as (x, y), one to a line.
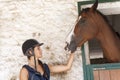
(107, 74)
(115, 74)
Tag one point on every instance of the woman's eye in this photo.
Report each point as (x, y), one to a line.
(38, 48)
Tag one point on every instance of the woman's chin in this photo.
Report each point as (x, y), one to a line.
(40, 56)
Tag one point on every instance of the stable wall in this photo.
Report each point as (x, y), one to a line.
(48, 21)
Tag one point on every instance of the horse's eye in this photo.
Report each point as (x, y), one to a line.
(82, 21)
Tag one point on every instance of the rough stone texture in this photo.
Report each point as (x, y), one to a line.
(48, 21)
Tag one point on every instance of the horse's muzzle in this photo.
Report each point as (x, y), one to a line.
(71, 47)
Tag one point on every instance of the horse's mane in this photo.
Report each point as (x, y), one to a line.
(104, 17)
(106, 20)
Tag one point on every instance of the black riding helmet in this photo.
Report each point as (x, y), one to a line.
(29, 44)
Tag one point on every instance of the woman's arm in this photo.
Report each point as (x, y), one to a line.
(23, 74)
(62, 68)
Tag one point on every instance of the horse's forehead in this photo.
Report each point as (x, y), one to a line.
(85, 10)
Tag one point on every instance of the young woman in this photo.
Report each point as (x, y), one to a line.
(35, 69)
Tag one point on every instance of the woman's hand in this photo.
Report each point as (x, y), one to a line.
(62, 68)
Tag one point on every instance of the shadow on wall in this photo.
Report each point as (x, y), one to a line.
(13, 78)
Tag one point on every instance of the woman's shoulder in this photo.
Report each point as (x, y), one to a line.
(24, 70)
(23, 73)
(46, 65)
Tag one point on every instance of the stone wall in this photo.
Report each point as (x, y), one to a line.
(48, 21)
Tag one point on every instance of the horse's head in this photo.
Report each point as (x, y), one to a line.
(85, 29)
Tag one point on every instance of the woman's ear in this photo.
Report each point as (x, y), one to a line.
(30, 52)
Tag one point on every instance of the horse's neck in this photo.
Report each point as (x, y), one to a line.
(109, 41)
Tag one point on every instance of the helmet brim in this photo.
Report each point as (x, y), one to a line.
(40, 44)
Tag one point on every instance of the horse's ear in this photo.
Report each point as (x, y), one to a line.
(94, 6)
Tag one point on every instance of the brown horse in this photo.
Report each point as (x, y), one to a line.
(92, 24)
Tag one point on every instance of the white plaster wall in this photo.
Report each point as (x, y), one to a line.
(48, 21)
(108, 8)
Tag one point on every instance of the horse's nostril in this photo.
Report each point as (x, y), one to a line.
(67, 43)
(66, 47)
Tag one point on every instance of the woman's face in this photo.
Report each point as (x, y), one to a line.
(38, 52)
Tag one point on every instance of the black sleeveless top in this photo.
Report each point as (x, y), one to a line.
(34, 75)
